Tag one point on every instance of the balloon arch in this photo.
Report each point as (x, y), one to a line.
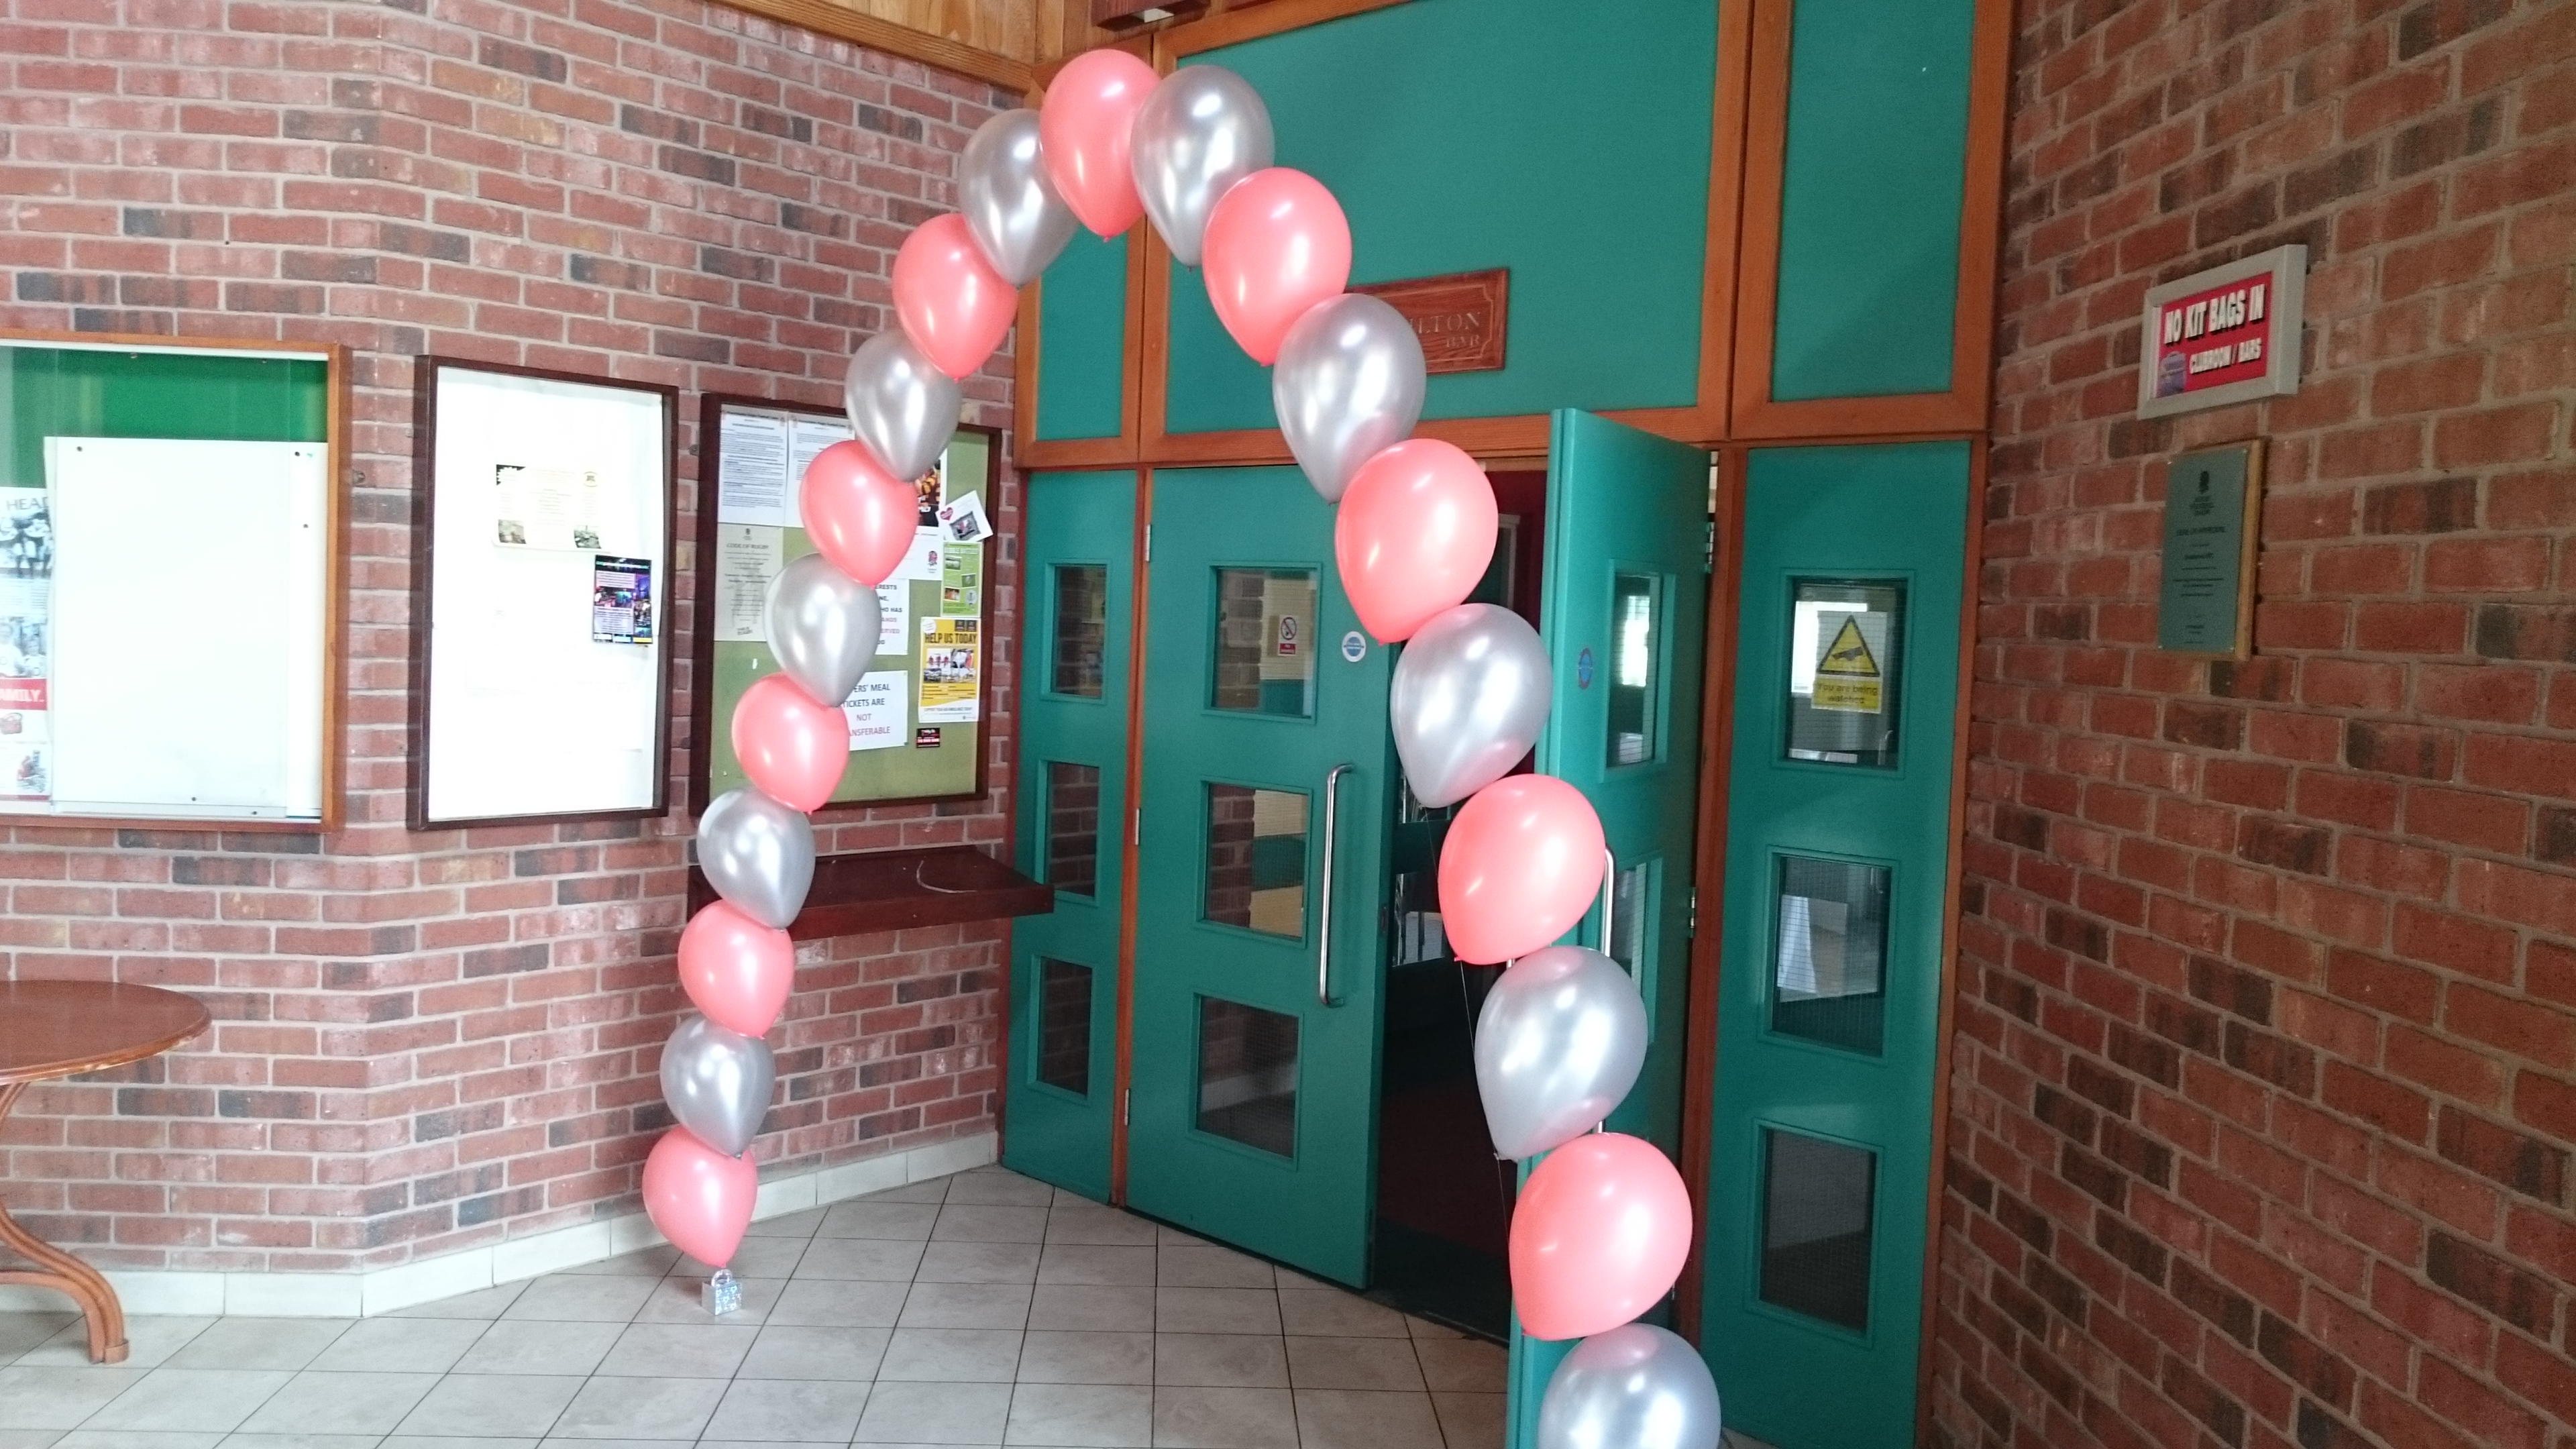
(1603, 1223)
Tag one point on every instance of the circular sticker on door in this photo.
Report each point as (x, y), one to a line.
(1354, 646)
(1583, 668)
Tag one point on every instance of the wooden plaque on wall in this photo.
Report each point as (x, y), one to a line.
(1461, 318)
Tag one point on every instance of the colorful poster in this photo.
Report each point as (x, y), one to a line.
(950, 665)
(961, 581)
(929, 491)
(26, 644)
(875, 711)
(621, 600)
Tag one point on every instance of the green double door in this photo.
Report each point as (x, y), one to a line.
(1257, 851)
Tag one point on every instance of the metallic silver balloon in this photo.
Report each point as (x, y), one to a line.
(901, 407)
(1348, 385)
(758, 854)
(1470, 695)
(1010, 206)
(717, 1083)
(1558, 1044)
(1201, 130)
(1635, 1387)
(822, 627)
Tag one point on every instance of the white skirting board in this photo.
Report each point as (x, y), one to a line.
(382, 1290)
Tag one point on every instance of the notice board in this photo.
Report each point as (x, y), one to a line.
(541, 566)
(170, 578)
(917, 716)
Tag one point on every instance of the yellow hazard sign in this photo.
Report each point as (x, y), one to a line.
(1848, 680)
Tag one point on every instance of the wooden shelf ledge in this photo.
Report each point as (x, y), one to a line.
(895, 890)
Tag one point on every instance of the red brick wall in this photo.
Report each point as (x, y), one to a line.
(2265, 1070)
(427, 1041)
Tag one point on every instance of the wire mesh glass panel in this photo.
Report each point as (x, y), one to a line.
(1844, 637)
(1265, 642)
(1073, 827)
(1828, 976)
(1256, 859)
(1817, 1221)
(1081, 629)
(1631, 696)
(1064, 1025)
(1248, 1075)
(1630, 894)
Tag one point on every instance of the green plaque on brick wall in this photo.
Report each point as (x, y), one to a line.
(2213, 505)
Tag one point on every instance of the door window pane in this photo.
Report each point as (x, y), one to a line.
(1064, 1025)
(1248, 1075)
(1816, 1225)
(1828, 976)
(1073, 827)
(1629, 898)
(1256, 859)
(1634, 600)
(1081, 629)
(1265, 642)
(1844, 639)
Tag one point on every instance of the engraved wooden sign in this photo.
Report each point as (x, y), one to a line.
(1461, 318)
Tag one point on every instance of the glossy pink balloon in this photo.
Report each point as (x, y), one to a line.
(1083, 126)
(1599, 1234)
(735, 969)
(1520, 865)
(699, 1198)
(793, 747)
(1413, 535)
(954, 306)
(1276, 245)
(860, 516)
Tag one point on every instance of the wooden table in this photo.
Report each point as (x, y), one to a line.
(57, 1029)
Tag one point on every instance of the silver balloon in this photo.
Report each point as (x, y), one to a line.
(901, 407)
(717, 1083)
(822, 627)
(1635, 1387)
(1470, 695)
(1200, 131)
(758, 854)
(1010, 206)
(1558, 1044)
(1348, 384)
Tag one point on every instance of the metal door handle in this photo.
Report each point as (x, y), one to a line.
(1609, 901)
(1324, 903)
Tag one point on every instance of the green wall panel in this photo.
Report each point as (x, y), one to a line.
(1567, 143)
(1082, 315)
(1876, 159)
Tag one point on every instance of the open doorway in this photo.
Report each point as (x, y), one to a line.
(1444, 1201)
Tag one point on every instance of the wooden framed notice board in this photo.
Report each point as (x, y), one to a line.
(541, 565)
(917, 717)
(170, 580)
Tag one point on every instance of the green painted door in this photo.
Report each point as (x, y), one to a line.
(1260, 874)
(1078, 582)
(1624, 605)
(1837, 868)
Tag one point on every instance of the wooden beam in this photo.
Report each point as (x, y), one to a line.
(841, 23)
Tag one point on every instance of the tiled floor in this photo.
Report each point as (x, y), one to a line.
(981, 1309)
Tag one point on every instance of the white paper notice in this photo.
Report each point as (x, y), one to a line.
(923, 561)
(807, 437)
(875, 711)
(754, 485)
(894, 617)
(748, 557)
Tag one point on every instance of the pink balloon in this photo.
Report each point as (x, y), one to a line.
(954, 306)
(1083, 125)
(1413, 535)
(735, 969)
(793, 747)
(1276, 245)
(1520, 865)
(860, 516)
(699, 1198)
(1599, 1234)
